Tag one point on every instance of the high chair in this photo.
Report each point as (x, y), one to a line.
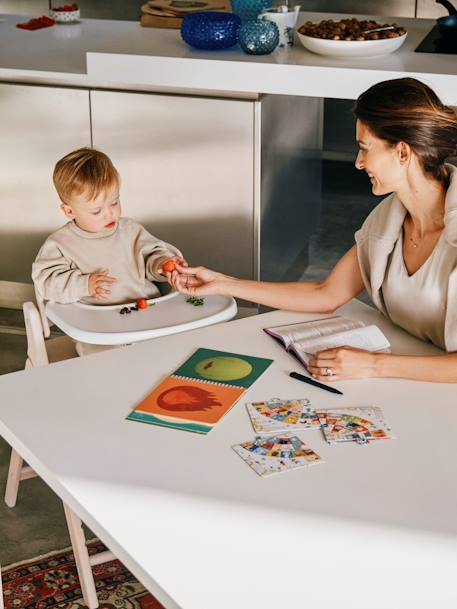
(42, 353)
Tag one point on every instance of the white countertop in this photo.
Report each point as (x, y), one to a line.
(122, 54)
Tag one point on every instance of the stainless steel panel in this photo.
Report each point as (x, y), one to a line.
(187, 168)
(38, 125)
(290, 183)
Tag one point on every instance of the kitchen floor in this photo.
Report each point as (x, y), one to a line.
(37, 525)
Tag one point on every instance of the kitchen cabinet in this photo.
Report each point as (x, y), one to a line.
(187, 169)
(234, 183)
(38, 126)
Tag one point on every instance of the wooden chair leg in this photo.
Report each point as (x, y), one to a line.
(14, 477)
(1, 589)
(78, 542)
(17, 471)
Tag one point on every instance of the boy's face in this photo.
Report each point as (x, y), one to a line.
(97, 215)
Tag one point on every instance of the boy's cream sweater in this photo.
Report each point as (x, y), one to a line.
(131, 255)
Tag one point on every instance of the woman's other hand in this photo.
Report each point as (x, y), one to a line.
(342, 363)
(197, 281)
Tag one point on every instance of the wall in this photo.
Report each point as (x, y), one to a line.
(130, 9)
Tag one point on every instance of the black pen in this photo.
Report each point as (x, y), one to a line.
(306, 379)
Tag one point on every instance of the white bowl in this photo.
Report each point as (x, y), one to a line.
(351, 48)
(65, 16)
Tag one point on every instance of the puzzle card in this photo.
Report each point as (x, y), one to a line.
(361, 424)
(276, 454)
(275, 415)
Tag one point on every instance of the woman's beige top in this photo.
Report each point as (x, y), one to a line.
(425, 303)
(417, 302)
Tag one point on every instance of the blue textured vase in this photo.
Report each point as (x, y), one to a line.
(258, 37)
(210, 30)
(250, 9)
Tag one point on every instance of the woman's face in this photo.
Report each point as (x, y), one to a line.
(380, 160)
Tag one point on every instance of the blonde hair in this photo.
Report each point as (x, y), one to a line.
(85, 170)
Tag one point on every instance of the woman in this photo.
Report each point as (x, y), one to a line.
(406, 251)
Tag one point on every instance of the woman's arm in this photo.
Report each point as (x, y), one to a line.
(349, 363)
(343, 284)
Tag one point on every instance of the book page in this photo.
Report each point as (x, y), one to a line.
(305, 331)
(369, 337)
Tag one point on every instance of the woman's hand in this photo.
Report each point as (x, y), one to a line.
(197, 281)
(342, 363)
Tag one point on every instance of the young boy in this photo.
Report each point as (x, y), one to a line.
(98, 256)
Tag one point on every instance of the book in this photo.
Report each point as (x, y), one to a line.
(276, 415)
(276, 454)
(360, 424)
(304, 339)
(201, 391)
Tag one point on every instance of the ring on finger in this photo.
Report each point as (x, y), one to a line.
(329, 372)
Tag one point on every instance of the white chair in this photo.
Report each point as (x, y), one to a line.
(42, 353)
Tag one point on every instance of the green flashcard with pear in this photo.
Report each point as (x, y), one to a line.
(223, 367)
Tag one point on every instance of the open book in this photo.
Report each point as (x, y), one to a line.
(304, 339)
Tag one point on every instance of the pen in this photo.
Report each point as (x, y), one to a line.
(306, 379)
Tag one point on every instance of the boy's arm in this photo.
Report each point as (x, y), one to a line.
(156, 253)
(54, 277)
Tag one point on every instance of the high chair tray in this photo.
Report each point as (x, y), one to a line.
(170, 314)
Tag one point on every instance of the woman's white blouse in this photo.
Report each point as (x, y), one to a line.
(417, 302)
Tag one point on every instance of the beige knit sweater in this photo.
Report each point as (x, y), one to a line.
(131, 254)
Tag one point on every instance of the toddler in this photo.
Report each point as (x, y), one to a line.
(97, 256)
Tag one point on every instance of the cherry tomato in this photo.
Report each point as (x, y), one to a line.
(169, 266)
(142, 303)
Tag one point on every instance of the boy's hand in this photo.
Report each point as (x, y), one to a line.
(100, 284)
(170, 265)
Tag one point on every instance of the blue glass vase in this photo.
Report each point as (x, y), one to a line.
(250, 9)
(210, 30)
(258, 37)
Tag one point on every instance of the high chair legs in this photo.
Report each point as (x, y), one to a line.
(84, 562)
(17, 471)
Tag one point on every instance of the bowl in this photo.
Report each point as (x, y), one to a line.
(60, 16)
(210, 30)
(351, 48)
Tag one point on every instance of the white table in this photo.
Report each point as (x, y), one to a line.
(375, 526)
(170, 314)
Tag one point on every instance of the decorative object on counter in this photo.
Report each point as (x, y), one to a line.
(448, 25)
(250, 9)
(36, 24)
(258, 37)
(170, 13)
(351, 37)
(285, 20)
(210, 31)
(67, 13)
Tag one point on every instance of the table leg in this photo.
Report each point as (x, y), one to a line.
(78, 541)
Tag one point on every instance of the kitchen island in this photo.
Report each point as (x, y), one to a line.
(219, 152)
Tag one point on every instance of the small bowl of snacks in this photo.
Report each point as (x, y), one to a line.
(351, 37)
(67, 13)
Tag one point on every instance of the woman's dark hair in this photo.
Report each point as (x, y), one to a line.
(406, 110)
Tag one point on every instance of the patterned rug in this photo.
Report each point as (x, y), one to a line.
(51, 582)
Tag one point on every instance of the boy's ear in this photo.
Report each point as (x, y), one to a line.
(67, 210)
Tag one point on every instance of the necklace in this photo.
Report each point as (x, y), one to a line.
(413, 243)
